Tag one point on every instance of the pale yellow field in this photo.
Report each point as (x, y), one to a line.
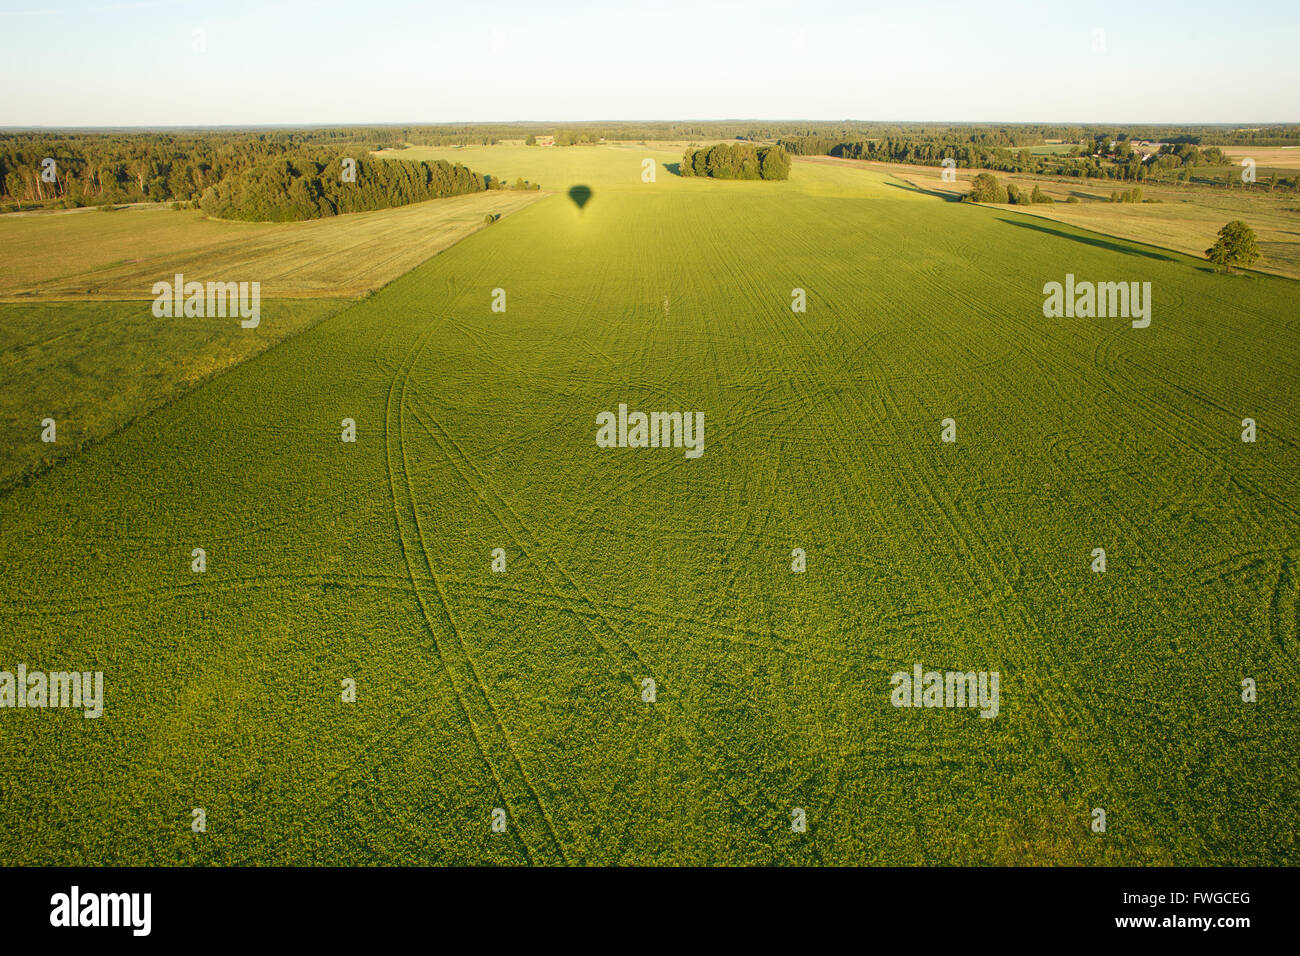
(1268, 157)
(87, 254)
(1186, 219)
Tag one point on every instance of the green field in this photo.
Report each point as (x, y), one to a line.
(522, 690)
(94, 367)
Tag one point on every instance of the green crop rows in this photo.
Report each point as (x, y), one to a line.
(522, 690)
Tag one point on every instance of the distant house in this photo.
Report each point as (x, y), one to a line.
(545, 140)
(1148, 149)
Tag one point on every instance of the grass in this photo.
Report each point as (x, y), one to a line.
(522, 690)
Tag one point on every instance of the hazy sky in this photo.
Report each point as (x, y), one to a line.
(173, 62)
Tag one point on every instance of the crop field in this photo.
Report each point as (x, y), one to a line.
(79, 342)
(95, 366)
(1183, 218)
(1281, 159)
(87, 253)
(524, 689)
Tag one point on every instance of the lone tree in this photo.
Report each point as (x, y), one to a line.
(1235, 246)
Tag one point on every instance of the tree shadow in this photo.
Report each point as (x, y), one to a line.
(581, 195)
(674, 168)
(938, 194)
(1090, 240)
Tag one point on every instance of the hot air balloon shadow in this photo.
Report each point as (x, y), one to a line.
(580, 195)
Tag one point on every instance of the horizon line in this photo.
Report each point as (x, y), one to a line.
(1238, 124)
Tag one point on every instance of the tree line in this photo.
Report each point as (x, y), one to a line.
(80, 169)
(302, 186)
(1103, 156)
(277, 175)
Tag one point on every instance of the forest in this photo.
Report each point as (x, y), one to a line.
(94, 168)
(301, 186)
(263, 175)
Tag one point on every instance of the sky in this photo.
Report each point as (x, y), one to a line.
(294, 62)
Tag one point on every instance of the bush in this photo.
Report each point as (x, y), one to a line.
(1038, 196)
(489, 218)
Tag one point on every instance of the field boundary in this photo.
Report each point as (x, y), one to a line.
(344, 302)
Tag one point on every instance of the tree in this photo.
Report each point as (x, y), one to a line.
(774, 163)
(986, 188)
(1235, 246)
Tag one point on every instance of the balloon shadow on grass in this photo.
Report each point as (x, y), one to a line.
(581, 195)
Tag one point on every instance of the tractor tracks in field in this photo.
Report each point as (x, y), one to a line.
(974, 545)
(34, 605)
(609, 631)
(628, 659)
(1284, 614)
(529, 818)
(1190, 436)
(1183, 430)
